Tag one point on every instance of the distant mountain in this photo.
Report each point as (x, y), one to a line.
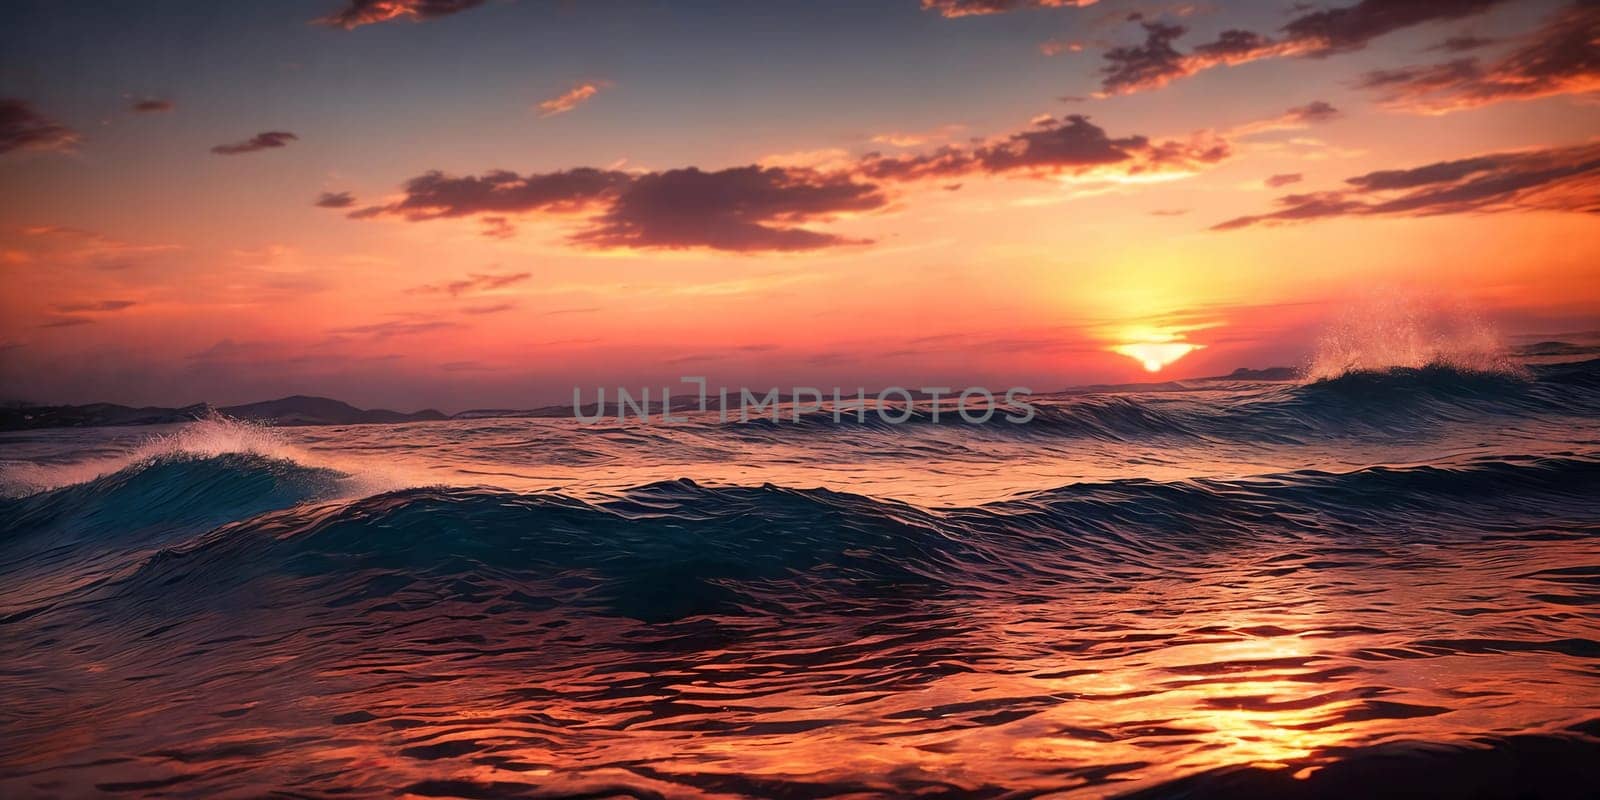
(1268, 374)
(302, 410)
(297, 410)
(94, 415)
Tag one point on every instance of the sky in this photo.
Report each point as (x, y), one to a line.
(486, 203)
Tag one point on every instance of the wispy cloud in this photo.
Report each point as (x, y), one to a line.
(474, 283)
(1548, 179)
(1070, 145)
(1558, 58)
(570, 99)
(23, 128)
(952, 9)
(68, 322)
(1313, 34)
(356, 13)
(98, 305)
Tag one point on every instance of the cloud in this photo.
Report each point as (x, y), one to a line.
(738, 209)
(570, 99)
(950, 9)
(1147, 65)
(1339, 30)
(1549, 179)
(398, 327)
(1055, 47)
(1070, 145)
(918, 138)
(769, 207)
(1315, 34)
(1297, 118)
(434, 195)
(261, 141)
(1284, 179)
(59, 245)
(366, 12)
(335, 200)
(1561, 57)
(151, 105)
(495, 308)
(23, 128)
(498, 228)
(102, 305)
(474, 282)
(68, 322)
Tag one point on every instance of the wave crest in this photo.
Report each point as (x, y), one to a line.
(1401, 332)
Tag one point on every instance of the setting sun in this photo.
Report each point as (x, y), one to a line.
(1155, 355)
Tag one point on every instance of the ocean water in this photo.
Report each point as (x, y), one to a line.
(1379, 584)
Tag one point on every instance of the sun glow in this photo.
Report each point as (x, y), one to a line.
(1155, 355)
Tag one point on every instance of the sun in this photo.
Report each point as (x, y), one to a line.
(1155, 355)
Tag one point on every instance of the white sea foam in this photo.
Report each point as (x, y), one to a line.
(210, 437)
(1399, 330)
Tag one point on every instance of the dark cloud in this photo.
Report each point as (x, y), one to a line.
(366, 12)
(744, 208)
(973, 8)
(1148, 65)
(1169, 212)
(1071, 144)
(1313, 113)
(433, 195)
(1338, 30)
(474, 282)
(1561, 57)
(1284, 179)
(23, 128)
(151, 105)
(101, 305)
(1551, 179)
(770, 208)
(335, 200)
(739, 209)
(1313, 34)
(1232, 44)
(261, 141)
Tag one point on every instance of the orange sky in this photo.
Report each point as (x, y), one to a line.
(176, 252)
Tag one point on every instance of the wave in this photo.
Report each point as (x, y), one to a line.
(1394, 400)
(1399, 331)
(209, 437)
(672, 550)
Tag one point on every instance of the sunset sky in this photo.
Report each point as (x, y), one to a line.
(456, 203)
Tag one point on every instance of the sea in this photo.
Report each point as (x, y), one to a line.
(1373, 583)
